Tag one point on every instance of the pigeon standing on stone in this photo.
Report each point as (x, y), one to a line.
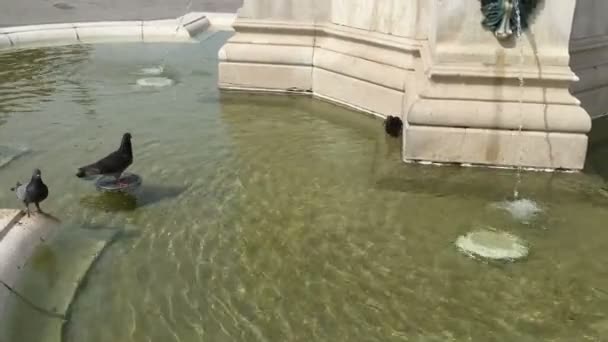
(33, 192)
(114, 164)
(393, 126)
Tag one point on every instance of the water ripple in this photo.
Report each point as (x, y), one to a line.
(266, 218)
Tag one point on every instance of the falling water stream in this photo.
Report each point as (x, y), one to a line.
(521, 96)
(156, 75)
(177, 27)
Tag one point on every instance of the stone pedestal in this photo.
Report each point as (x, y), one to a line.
(456, 86)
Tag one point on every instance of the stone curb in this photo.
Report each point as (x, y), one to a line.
(181, 29)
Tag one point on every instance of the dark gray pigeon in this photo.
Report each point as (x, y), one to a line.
(33, 192)
(114, 164)
(393, 126)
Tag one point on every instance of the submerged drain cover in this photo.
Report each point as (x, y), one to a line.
(155, 82)
(494, 245)
(128, 182)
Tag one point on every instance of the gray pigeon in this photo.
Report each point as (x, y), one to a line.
(114, 164)
(33, 192)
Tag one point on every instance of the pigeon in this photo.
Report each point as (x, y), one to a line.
(114, 164)
(393, 126)
(33, 192)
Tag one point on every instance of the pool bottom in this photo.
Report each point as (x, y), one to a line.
(285, 218)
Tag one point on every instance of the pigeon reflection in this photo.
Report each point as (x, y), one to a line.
(129, 201)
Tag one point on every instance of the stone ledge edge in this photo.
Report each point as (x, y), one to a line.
(182, 29)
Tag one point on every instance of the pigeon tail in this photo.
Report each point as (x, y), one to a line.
(87, 171)
(16, 186)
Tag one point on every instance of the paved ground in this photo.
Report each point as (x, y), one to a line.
(24, 12)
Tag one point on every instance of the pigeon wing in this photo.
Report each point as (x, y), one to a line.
(114, 162)
(21, 192)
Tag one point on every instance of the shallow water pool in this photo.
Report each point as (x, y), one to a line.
(282, 218)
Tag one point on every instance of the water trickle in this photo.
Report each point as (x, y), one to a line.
(177, 27)
(520, 77)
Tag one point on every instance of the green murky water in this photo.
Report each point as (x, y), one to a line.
(275, 218)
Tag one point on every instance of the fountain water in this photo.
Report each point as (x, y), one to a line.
(157, 79)
(489, 243)
(521, 94)
(522, 209)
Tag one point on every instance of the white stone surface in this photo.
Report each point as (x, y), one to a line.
(394, 17)
(263, 77)
(495, 147)
(221, 21)
(8, 217)
(24, 39)
(500, 115)
(269, 54)
(5, 42)
(72, 249)
(457, 32)
(589, 55)
(286, 10)
(110, 34)
(19, 240)
(170, 30)
(358, 93)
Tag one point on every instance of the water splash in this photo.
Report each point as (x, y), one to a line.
(153, 71)
(523, 210)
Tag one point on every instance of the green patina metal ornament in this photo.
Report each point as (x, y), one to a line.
(500, 15)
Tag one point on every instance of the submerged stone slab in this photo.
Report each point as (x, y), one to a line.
(155, 82)
(495, 245)
(10, 153)
(18, 242)
(44, 263)
(8, 217)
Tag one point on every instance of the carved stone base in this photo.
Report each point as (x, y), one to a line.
(495, 147)
(456, 88)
